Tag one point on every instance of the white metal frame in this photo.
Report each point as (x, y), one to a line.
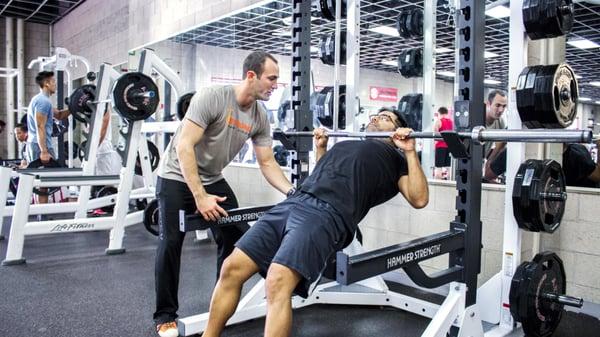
(20, 226)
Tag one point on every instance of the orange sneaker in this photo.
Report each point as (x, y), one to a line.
(168, 329)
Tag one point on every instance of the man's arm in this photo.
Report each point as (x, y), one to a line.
(417, 191)
(60, 114)
(437, 125)
(320, 139)
(271, 170)
(40, 121)
(595, 175)
(104, 128)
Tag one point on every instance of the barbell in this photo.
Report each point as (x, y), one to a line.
(479, 134)
(135, 97)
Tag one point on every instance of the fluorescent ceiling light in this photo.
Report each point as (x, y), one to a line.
(597, 102)
(442, 50)
(385, 30)
(595, 83)
(313, 49)
(389, 62)
(498, 12)
(288, 20)
(489, 54)
(583, 44)
(282, 32)
(584, 99)
(577, 76)
(446, 73)
(491, 81)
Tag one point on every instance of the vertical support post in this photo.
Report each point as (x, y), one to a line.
(429, 21)
(352, 63)
(60, 102)
(167, 116)
(10, 89)
(469, 113)
(20, 67)
(300, 87)
(16, 238)
(336, 64)
(511, 255)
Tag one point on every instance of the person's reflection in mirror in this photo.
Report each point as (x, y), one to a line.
(579, 167)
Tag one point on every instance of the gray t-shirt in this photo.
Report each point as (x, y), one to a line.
(226, 129)
(498, 124)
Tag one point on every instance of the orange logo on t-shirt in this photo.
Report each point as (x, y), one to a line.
(237, 123)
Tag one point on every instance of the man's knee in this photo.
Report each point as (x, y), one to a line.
(237, 268)
(280, 282)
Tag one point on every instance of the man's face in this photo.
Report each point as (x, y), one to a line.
(50, 85)
(264, 86)
(383, 121)
(20, 135)
(496, 107)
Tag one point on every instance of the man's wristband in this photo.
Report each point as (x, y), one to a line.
(290, 192)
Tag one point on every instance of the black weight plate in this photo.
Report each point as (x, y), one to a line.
(525, 98)
(528, 305)
(401, 24)
(150, 219)
(127, 97)
(525, 177)
(106, 191)
(82, 150)
(551, 208)
(78, 102)
(153, 156)
(558, 16)
(323, 54)
(531, 19)
(183, 103)
(328, 9)
(330, 48)
(410, 108)
(410, 62)
(416, 22)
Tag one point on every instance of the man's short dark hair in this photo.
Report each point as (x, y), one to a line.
(256, 62)
(443, 111)
(21, 127)
(493, 94)
(401, 120)
(42, 76)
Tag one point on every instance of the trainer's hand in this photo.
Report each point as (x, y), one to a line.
(45, 156)
(209, 208)
(401, 140)
(320, 138)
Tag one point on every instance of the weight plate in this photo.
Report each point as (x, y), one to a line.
(150, 218)
(183, 103)
(78, 102)
(153, 156)
(135, 96)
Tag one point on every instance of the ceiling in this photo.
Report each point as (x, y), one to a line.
(263, 28)
(45, 12)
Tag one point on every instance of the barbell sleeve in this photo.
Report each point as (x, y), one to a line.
(564, 299)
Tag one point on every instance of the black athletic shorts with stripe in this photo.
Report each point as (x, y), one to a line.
(301, 233)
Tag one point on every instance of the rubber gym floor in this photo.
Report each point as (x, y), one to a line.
(69, 287)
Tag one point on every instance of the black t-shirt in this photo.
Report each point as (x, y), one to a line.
(578, 165)
(354, 176)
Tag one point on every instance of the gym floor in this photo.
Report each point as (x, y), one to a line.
(69, 287)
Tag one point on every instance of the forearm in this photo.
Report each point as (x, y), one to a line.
(320, 152)
(189, 170)
(275, 176)
(41, 138)
(61, 114)
(418, 189)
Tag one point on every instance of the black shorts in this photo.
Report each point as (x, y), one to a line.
(442, 157)
(301, 233)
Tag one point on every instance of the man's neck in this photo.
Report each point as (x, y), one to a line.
(243, 98)
(46, 92)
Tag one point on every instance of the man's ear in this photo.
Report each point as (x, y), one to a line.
(250, 74)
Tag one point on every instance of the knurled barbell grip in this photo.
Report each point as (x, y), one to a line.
(554, 196)
(564, 299)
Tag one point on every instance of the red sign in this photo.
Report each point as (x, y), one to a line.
(383, 94)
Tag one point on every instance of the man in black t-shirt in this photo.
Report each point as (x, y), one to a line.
(291, 244)
(580, 170)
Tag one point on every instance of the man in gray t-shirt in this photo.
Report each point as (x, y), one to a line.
(494, 109)
(219, 120)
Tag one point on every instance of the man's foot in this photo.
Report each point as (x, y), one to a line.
(168, 329)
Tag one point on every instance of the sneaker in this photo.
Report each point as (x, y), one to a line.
(168, 329)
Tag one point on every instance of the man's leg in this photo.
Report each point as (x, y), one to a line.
(237, 268)
(280, 283)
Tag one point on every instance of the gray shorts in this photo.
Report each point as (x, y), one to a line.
(34, 151)
(301, 233)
